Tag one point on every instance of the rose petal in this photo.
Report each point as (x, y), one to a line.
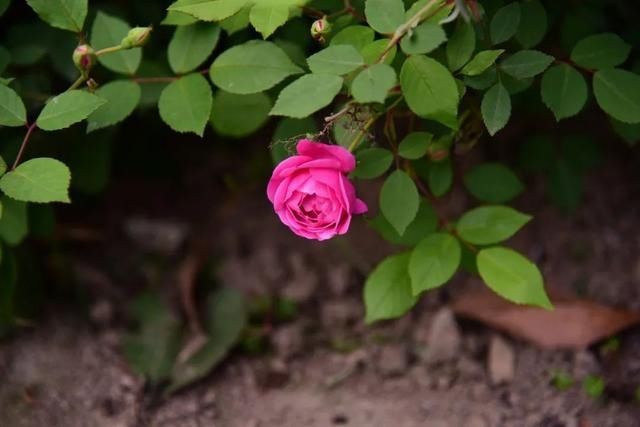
(318, 150)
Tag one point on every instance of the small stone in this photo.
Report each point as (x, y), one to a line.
(339, 279)
(584, 363)
(393, 360)
(156, 235)
(444, 338)
(101, 313)
(475, 421)
(288, 341)
(304, 281)
(336, 314)
(501, 361)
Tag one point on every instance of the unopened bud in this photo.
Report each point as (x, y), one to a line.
(84, 58)
(438, 151)
(136, 37)
(320, 28)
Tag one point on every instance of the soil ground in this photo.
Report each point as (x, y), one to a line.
(326, 368)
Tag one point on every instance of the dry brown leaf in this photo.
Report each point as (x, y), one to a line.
(574, 323)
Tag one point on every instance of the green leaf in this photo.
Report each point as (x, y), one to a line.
(178, 19)
(357, 36)
(533, 26)
(461, 45)
(372, 162)
(505, 23)
(399, 200)
(40, 180)
(3, 166)
(493, 183)
(288, 133)
(152, 350)
(191, 45)
(12, 110)
(14, 225)
(5, 58)
(564, 91)
(122, 98)
(4, 5)
(373, 83)
(429, 88)
(414, 145)
(630, 133)
(185, 105)
(512, 276)
(239, 115)
(526, 63)
(496, 108)
(67, 109)
(63, 14)
(433, 262)
(490, 224)
(387, 291)
(425, 223)
(108, 31)
(618, 94)
(564, 186)
(606, 50)
(384, 16)
(252, 67)
(425, 38)
(338, 60)
(372, 52)
(440, 177)
(225, 320)
(237, 22)
(307, 95)
(266, 18)
(209, 10)
(483, 81)
(481, 62)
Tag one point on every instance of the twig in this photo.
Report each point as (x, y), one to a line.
(411, 23)
(25, 141)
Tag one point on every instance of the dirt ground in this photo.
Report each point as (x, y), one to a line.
(428, 369)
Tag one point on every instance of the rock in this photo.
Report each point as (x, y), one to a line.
(500, 361)
(339, 278)
(584, 363)
(304, 280)
(101, 313)
(156, 235)
(337, 314)
(444, 338)
(393, 360)
(288, 341)
(475, 421)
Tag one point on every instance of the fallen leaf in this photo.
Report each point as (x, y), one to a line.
(572, 324)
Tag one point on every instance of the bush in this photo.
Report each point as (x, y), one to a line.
(407, 87)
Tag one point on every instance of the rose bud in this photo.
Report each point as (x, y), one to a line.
(320, 28)
(311, 193)
(438, 151)
(84, 58)
(136, 37)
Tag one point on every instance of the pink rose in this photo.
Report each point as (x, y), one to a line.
(311, 193)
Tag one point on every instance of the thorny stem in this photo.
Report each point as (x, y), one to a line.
(363, 131)
(25, 141)
(442, 218)
(410, 24)
(342, 112)
(107, 50)
(33, 126)
(162, 79)
(83, 78)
